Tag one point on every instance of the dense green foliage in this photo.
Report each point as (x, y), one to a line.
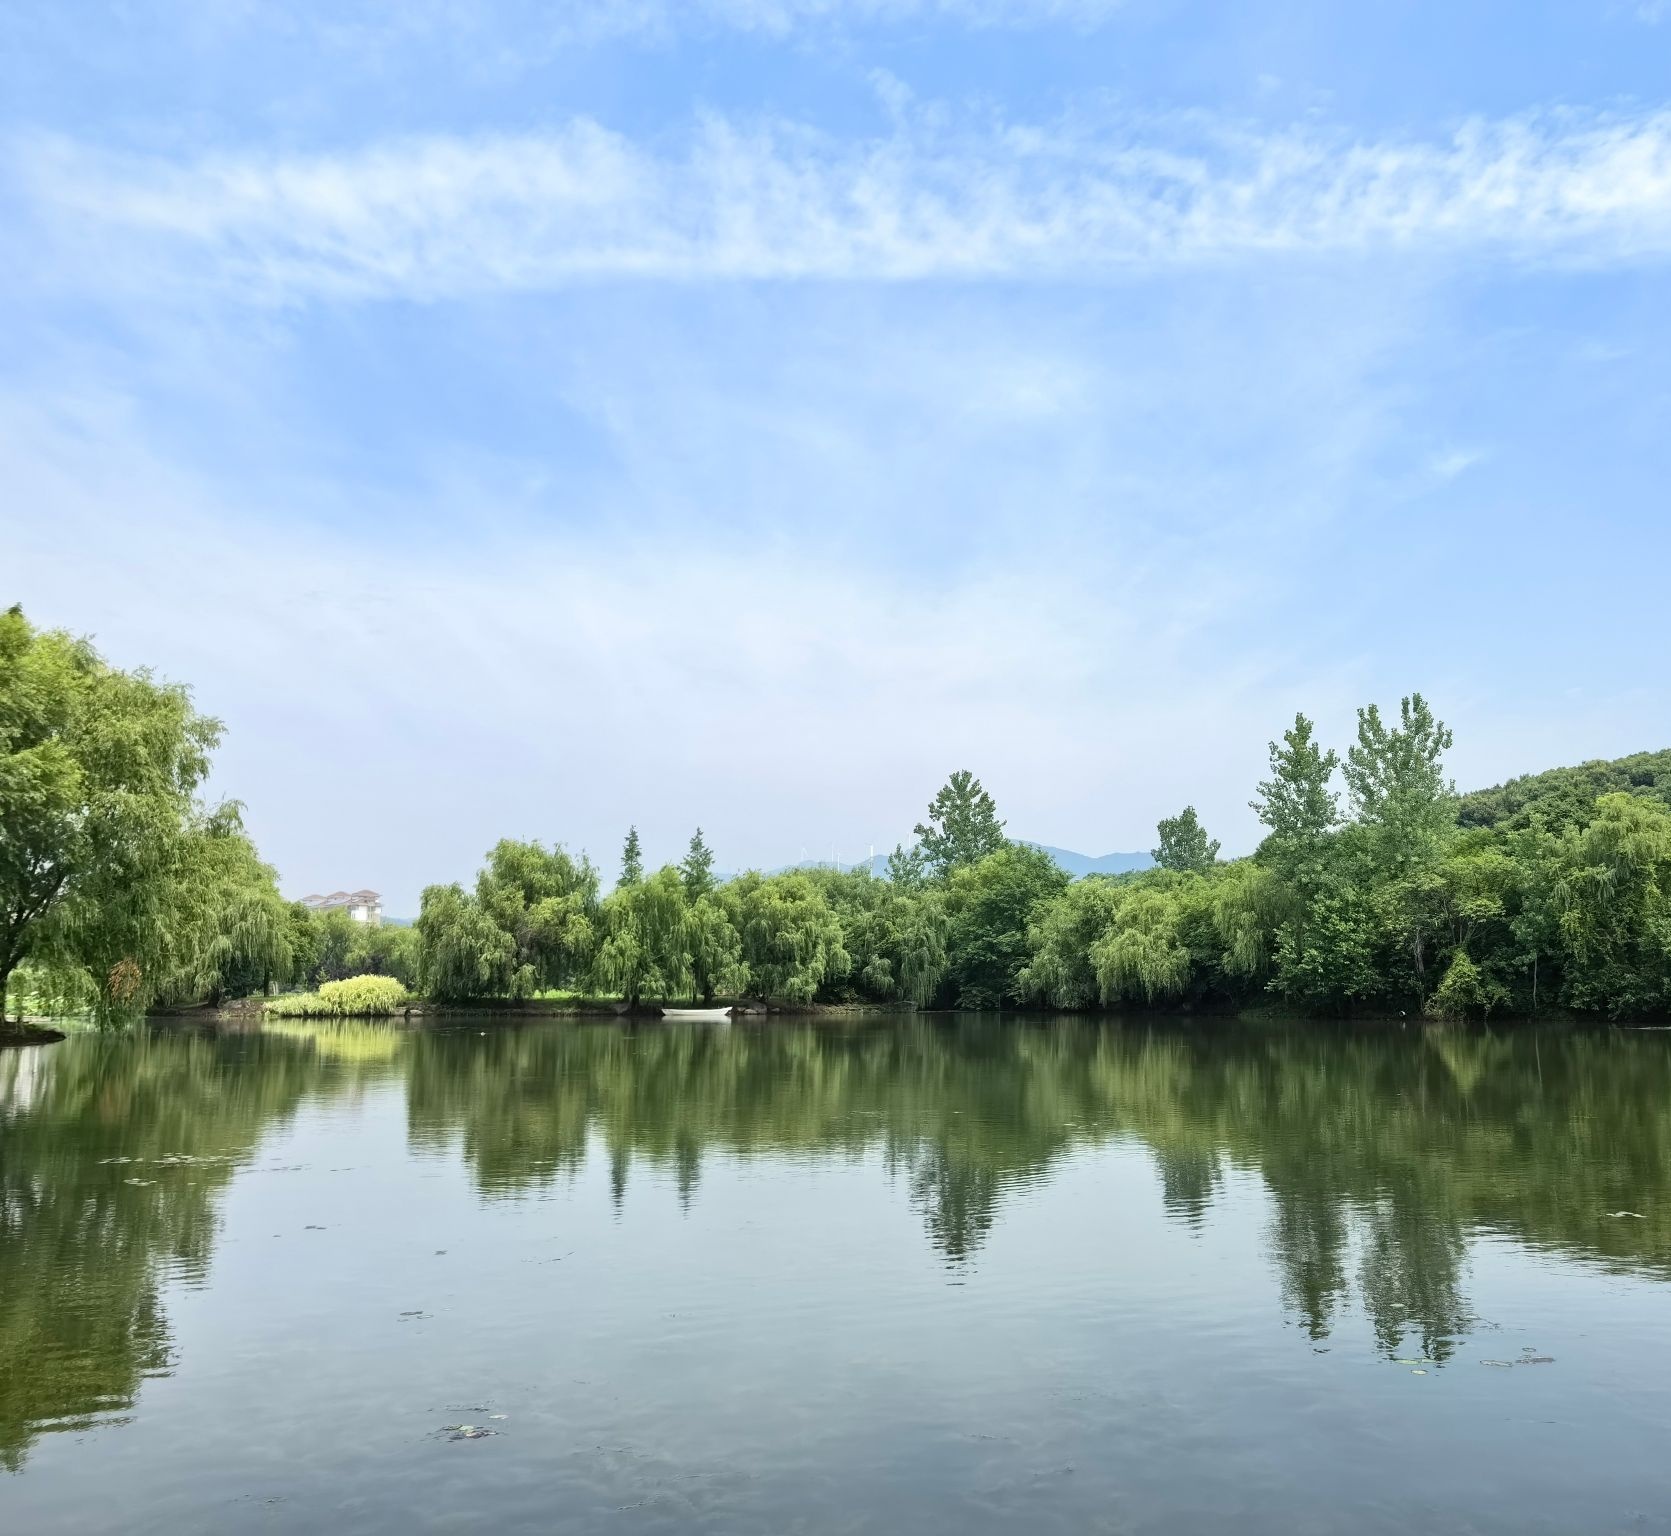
(1394, 905)
(118, 886)
(330, 945)
(1563, 797)
(120, 889)
(1515, 900)
(952, 929)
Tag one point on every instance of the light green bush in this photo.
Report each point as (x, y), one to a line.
(357, 997)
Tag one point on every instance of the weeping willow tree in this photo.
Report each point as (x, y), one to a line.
(547, 902)
(462, 952)
(791, 940)
(1614, 899)
(1156, 939)
(117, 887)
(919, 930)
(894, 934)
(228, 929)
(1061, 936)
(644, 951)
(715, 948)
(1143, 956)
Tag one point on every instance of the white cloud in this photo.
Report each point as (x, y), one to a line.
(780, 16)
(447, 216)
(371, 22)
(1455, 461)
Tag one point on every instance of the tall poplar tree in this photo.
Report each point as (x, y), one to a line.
(1184, 844)
(962, 826)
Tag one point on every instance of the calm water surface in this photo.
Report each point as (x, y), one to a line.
(897, 1276)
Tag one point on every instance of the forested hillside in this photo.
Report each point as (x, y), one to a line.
(1563, 797)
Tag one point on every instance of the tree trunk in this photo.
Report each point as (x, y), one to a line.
(6, 968)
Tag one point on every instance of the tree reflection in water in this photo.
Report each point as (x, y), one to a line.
(1382, 1153)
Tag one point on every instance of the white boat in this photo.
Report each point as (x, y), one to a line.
(704, 1015)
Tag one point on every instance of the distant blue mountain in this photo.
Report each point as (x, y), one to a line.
(1081, 864)
(1076, 864)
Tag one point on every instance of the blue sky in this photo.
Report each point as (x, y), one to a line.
(524, 419)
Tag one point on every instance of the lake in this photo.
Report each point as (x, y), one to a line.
(890, 1275)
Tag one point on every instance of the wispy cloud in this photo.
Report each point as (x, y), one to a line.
(447, 216)
(369, 21)
(778, 17)
(1455, 461)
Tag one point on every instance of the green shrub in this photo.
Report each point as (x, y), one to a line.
(357, 997)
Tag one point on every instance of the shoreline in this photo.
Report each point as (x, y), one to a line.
(599, 1009)
(16, 1036)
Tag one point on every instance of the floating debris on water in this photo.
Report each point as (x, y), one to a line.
(174, 1159)
(467, 1431)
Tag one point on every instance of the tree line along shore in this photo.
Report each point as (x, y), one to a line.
(1377, 890)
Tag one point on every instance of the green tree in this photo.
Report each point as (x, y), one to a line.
(962, 826)
(228, 930)
(1465, 991)
(697, 869)
(920, 935)
(1299, 807)
(1397, 783)
(1614, 900)
(1296, 802)
(907, 867)
(644, 952)
(462, 953)
(338, 933)
(384, 949)
(304, 944)
(632, 859)
(546, 902)
(716, 951)
(1143, 956)
(894, 935)
(990, 905)
(1060, 970)
(98, 770)
(791, 941)
(1184, 844)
